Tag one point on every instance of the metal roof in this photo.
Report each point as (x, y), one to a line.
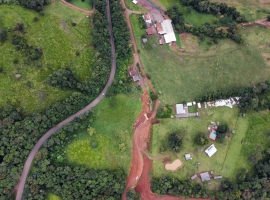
(205, 176)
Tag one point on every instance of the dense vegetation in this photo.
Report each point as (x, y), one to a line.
(249, 185)
(205, 6)
(123, 51)
(208, 29)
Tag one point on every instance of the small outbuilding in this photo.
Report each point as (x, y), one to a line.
(144, 40)
(193, 177)
(189, 103)
(205, 176)
(135, 75)
(199, 105)
(188, 156)
(134, 1)
(211, 150)
(180, 109)
(218, 177)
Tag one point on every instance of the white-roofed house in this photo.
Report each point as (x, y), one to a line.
(189, 103)
(167, 31)
(211, 150)
(134, 1)
(180, 109)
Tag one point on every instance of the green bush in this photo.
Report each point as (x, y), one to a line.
(201, 139)
(175, 142)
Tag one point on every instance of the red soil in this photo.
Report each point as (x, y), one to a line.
(166, 160)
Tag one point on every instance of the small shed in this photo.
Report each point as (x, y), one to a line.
(211, 150)
(180, 109)
(135, 75)
(134, 1)
(144, 40)
(199, 105)
(188, 156)
(193, 177)
(218, 177)
(205, 176)
(189, 103)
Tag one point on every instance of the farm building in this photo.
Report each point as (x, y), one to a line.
(188, 156)
(180, 109)
(147, 19)
(165, 28)
(205, 176)
(211, 150)
(134, 1)
(193, 177)
(218, 177)
(135, 75)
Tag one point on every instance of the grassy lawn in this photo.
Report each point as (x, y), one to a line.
(220, 163)
(132, 6)
(232, 155)
(86, 4)
(113, 127)
(59, 41)
(209, 68)
(53, 197)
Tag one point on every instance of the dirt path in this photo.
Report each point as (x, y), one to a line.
(137, 59)
(21, 184)
(89, 12)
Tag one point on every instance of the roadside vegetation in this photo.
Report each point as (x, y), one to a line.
(133, 7)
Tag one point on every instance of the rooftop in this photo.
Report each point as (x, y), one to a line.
(188, 156)
(180, 109)
(205, 176)
(211, 150)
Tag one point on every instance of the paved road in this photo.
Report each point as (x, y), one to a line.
(30, 158)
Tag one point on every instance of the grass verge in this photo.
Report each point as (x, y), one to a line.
(86, 4)
(113, 132)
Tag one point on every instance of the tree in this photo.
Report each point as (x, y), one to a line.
(268, 17)
(201, 139)
(175, 142)
(3, 35)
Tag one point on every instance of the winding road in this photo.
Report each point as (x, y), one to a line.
(27, 166)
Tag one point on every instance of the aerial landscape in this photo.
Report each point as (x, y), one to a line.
(134, 99)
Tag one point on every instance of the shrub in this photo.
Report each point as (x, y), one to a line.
(175, 142)
(35, 19)
(268, 17)
(201, 139)
(3, 35)
(93, 144)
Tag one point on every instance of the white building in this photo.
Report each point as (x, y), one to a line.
(180, 109)
(189, 103)
(134, 1)
(167, 31)
(211, 150)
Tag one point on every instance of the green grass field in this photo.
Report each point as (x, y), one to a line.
(53, 197)
(113, 127)
(232, 155)
(132, 6)
(209, 68)
(86, 4)
(59, 41)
